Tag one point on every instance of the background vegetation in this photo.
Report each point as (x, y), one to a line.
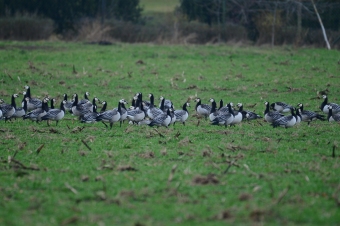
(193, 174)
(274, 22)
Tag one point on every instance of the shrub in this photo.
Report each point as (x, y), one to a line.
(25, 27)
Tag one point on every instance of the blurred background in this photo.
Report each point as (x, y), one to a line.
(255, 22)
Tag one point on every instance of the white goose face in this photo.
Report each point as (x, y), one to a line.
(188, 104)
(330, 107)
(87, 93)
(27, 99)
(266, 103)
(24, 93)
(150, 95)
(211, 100)
(64, 95)
(231, 104)
(161, 98)
(64, 101)
(53, 100)
(27, 87)
(15, 95)
(74, 95)
(239, 105)
(324, 96)
(2, 101)
(104, 102)
(197, 100)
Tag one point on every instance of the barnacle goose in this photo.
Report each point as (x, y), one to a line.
(104, 106)
(123, 113)
(152, 111)
(172, 115)
(325, 104)
(331, 116)
(167, 103)
(33, 103)
(223, 109)
(110, 116)
(68, 104)
(21, 111)
(55, 114)
(8, 110)
(182, 115)
(249, 115)
(225, 118)
(286, 121)
(36, 114)
(237, 115)
(271, 116)
(80, 109)
(136, 115)
(202, 109)
(308, 116)
(213, 112)
(86, 98)
(281, 107)
(162, 120)
(90, 117)
(298, 115)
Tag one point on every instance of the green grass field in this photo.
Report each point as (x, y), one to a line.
(195, 174)
(159, 6)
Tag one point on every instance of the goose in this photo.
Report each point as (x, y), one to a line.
(223, 109)
(8, 110)
(136, 115)
(172, 115)
(308, 116)
(90, 116)
(167, 103)
(110, 116)
(52, 103)
(104, 106)
(202, 109)
(55, 114)
(225, 118)
(68, 104)
(152, 111)
(162, 120)
(237, 115)
(325, 104)
(331, 116)
(213, 112)
(21, 111)
(33, 103)
(123, 113)
(271, 116)
(36, 114)
(86, 98)
(281, 107)
(286, 121)
(298, 115)
(80, 109)
(249, 115)
(182, 115)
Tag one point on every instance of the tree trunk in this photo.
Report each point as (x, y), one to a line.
(299, 22)
(273, 26)
(322, 27)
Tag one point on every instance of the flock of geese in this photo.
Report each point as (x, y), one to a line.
(143, 112)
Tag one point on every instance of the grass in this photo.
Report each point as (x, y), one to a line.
(160, 6)
(248, 174)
